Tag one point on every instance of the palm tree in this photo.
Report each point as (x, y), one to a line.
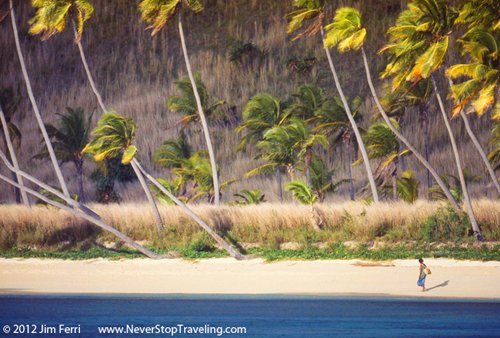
(479, 90)
(69, 141)
(261, 113)
(303, 193)
(408, 186)
(313, 11)
(114, 136)
(9, 129)
(382, 144)
(185, 103)
(419, 44)
(80, 211)
(322, 179)
(51, 18)
(332, 120)
(38, 116)
(158, 13)
(347, 32)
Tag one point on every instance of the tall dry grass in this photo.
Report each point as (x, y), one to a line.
(136, 73)
(264, 225)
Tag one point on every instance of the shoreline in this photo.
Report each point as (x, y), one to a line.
(226, 277)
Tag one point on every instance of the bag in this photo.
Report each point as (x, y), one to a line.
(427, 271)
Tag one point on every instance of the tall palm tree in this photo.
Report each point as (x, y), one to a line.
(38, 116)
(332, 120)
(419, 44)
(114, 136)
(261, 113)
(52, 17)
(313, 11)
(347, 32)
(158, 13)
(479, 91)
(9, 128)
(69, 140)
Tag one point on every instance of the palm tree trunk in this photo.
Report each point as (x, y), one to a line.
(480, 150)
(152, 203)
(80, 213)
(142, 181)
(229, 248)
(349, 169)
(79, 172)
(35, 106)
(470, 211)
(401, 159)
(424, 120)
(422, 160)
(13, 158)
(87, 70)
(362, 147)
(203, 120)
(280, 184)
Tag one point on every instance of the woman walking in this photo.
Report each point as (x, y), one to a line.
(422, 274)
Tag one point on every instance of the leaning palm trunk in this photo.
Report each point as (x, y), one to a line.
(229, 248)
(352, 193)
(470, 211)
(35, 106)
(203, 120)
(145, 188)
(81, 211)
(480, 150)
(151, 201)
(13, 157)
(362, 147)
(422, 160)
(478, 146)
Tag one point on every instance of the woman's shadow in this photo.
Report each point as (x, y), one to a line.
(442, 285)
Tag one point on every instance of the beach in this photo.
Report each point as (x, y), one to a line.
(449, 278)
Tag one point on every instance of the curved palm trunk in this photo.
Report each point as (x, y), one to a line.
(87, 70)
(229, 248)
(13, 157)
(349, 169)
(424, 120)
(422, 160)
(35, 106)
(480, 150)
(478, 146)
(470, 211)
(145, 188)
(203, 120)
(362, 147)
(81, 210)
(142, 181)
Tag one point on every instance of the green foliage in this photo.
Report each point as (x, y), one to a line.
(301, 192)
(408, 185)
(446, 225)
(171, 153)
(52, 16)
(308, 13)
(172, 186)
(185, 103)
(108, 172)
(346, 31)
(321, 179)
(70, 138)
(113, 137)
(159, 12)
(250, 197)
(452, 182)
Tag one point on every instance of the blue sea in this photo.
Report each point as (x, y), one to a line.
(244, 316)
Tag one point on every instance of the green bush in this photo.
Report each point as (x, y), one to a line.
(446, 225)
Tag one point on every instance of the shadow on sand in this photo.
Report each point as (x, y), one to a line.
(442, 285)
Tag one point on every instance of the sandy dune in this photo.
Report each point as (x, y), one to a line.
(465, 279)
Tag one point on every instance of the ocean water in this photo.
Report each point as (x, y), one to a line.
(259, 316)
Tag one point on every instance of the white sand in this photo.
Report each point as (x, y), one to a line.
(450, 278)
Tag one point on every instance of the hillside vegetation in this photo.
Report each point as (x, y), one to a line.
(136, 74)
